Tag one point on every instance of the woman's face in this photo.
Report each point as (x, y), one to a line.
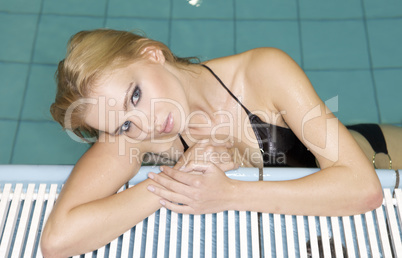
(144, 100)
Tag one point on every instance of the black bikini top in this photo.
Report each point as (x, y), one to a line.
(279, 146)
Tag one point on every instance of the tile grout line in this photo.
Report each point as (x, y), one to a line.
(27, 120)
(240, 19)
(105, 14)
(170, 25)
(300, 35)
(26, 84)
(306, 69)
(234, 28)
(371, 69)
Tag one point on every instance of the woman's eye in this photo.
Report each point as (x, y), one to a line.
(136, 95)
(126, 126)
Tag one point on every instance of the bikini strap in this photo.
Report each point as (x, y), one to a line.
(185, 145)
(226, 88)
(373, 134)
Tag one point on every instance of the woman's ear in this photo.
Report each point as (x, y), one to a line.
(154, 54)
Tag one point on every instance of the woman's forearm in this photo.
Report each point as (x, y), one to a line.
(334, 191)
(94, 224)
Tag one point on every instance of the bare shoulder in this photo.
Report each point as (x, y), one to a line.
(266, 55)
(273, 70)
(267, 62)
(252, 59)
(264, 70)
(256, 76)
(252, 67)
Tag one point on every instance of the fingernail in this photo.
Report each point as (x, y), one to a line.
(162, 202)
(150, 175)
(151, 188)
(161, 168)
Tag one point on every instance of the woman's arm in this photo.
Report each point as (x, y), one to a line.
(88, 213)
(346, 184)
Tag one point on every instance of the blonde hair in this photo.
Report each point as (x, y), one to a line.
(89, 55)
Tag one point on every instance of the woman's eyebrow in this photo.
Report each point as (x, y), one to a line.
(125, 105)
(126, 99)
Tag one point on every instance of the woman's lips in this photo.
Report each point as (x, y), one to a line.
(167, 126)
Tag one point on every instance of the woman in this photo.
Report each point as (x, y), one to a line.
(256, 108)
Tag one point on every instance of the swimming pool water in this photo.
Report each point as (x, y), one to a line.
(350, 49)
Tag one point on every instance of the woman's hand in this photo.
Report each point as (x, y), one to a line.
(206, 189)
(220, 154)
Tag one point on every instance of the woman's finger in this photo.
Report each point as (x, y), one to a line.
(169, 195)
(216, 152)
(178, 208)
(190, 154)
(184, 178)
(228, 166)
(170, 183)
(182, 162)
(196, 165)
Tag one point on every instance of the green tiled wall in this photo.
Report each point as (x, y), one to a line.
(351, 49)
